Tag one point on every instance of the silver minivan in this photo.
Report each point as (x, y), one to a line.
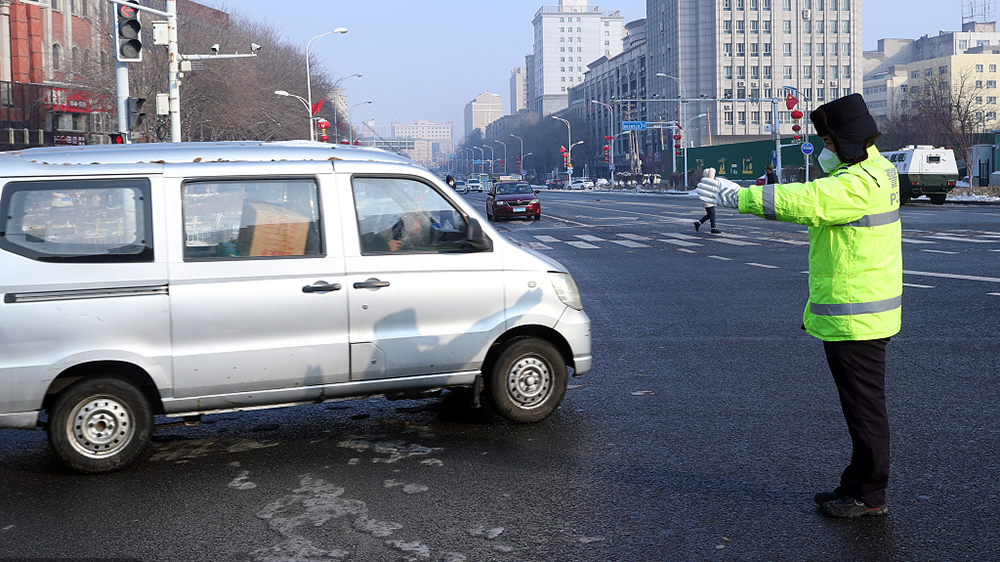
(194, 278)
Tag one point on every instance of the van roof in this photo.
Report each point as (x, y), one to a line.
(27, 161)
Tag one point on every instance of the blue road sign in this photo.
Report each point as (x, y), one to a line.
(807, 148)
(633, 125)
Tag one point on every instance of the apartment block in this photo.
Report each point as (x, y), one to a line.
(483, 110)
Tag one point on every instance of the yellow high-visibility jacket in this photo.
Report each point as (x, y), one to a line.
(855, 257)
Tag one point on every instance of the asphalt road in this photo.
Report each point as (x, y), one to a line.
(708, 422)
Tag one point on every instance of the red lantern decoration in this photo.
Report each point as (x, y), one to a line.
(677, 145)
(796, 137)
(324, 138)
(797, 114)
(796, 128)
(323, 124)
(677, 137)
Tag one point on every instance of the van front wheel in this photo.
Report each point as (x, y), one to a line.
(528, 381)
(100, 425)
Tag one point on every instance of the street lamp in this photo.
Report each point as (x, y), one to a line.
(611, 118)
(309, 95)
(686, 123)
(805, 130)
(335, 84)
(491, 158)
(503, 166)
(301, 99)
(569, 141)
(680, 110)
(482, 156)
(521, 159)
(350, 128)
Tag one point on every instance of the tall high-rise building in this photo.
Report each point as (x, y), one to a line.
(518, 89)
(480, 112)
(747, 50)
(568, 37)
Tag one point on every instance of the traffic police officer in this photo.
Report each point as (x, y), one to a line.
(855, 281)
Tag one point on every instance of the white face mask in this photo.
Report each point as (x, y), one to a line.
(828, 160)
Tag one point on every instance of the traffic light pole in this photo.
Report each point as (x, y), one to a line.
(121, 85)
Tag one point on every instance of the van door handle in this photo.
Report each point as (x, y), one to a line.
(321, 287)
(372, 283)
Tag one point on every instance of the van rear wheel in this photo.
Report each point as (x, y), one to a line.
(528, 381)
(100, 425)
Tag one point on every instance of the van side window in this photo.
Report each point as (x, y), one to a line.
(933, 158)
(85, 221)
(406, 215)
(251, 218)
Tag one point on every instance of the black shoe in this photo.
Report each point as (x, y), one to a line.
(716, 231)
(823, 497)
(849, 508)
(697, 225)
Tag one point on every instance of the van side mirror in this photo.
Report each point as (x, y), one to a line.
(476, 238)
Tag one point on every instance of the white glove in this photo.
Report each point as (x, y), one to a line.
(718, 191)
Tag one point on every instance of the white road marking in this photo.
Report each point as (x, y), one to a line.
(994, 294)
(733, 242)
(940, 252)
(686, 251)
(953, 276)
(915, 286)
(589, 238)
(680, 236)
(793, 242)
(915, 241)
(951, 238)
(538, 246)
(582, 245)
(629, 244)
(635, 237)
(721, 258)
(763, 265)
(546, 238)
(680, 243)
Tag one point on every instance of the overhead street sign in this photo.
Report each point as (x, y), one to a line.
(633, 125)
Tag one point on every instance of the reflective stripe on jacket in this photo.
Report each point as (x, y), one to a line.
(855, 259)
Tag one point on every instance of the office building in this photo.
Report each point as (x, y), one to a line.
(480, 112)
(518, 89)
(567, 38)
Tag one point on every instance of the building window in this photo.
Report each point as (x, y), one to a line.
(819, 5)
(833, 49)
(767, 73)
(819, 72)
(753, 5)
(833, 93)
(786, 27)
(755, 73)
(767, 49)
(991, 84)
(786, 72)
(727, 93)
(728, 118)
(56, 56)
(820, 96)
(846, 26)
(727, 26)
(833, 73)
(847, 49)
(767, 5)
(928, 72)
(767, 26)
(740, 50)
(846, 6)
(963, 44)
(833, 5)
(819, 50)
(819, 26)
(786, 5)
(755, 118)
(833, 26)
(980, 68)
(807, 26)
(807, 72)
(786, 49)
(727, 72)
(740, 26)
(993, 68)
(755, 49)
(562, 30)
(727, 49)
(754, 27)
(741, 73)
(741, 117)
(727, 5)
(739, 4)
(807, 49)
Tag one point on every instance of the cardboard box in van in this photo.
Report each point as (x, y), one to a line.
(270, 230)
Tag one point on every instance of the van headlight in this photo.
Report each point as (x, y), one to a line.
(565, 287)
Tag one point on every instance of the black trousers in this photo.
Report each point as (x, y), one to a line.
(858, 368)
(709, 215)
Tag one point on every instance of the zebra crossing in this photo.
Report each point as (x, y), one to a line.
(922, 241)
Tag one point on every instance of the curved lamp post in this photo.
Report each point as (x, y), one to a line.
(569, 142)
(309, 95)
(350, 126)
(686, 123)
(503, 164)
(520, 160)
(304, 102)
(335, 85)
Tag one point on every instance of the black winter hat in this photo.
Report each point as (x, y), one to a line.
(849, 125)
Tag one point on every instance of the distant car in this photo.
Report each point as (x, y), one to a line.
(581, 183)
(460, 187)
(474, 185)
(602, 182)
(507, 200)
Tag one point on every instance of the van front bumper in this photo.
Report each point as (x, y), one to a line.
(574, 325)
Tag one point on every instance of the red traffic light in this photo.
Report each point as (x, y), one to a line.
(117, 138)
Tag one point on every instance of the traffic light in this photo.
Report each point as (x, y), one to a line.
(117, 138)
(136, 113)
(128, 43)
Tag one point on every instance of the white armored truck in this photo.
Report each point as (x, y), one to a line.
(924, 170)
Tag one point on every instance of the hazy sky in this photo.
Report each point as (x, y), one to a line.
(425, 60)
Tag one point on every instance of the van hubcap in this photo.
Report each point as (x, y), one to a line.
(100, 427)
(529, 382)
